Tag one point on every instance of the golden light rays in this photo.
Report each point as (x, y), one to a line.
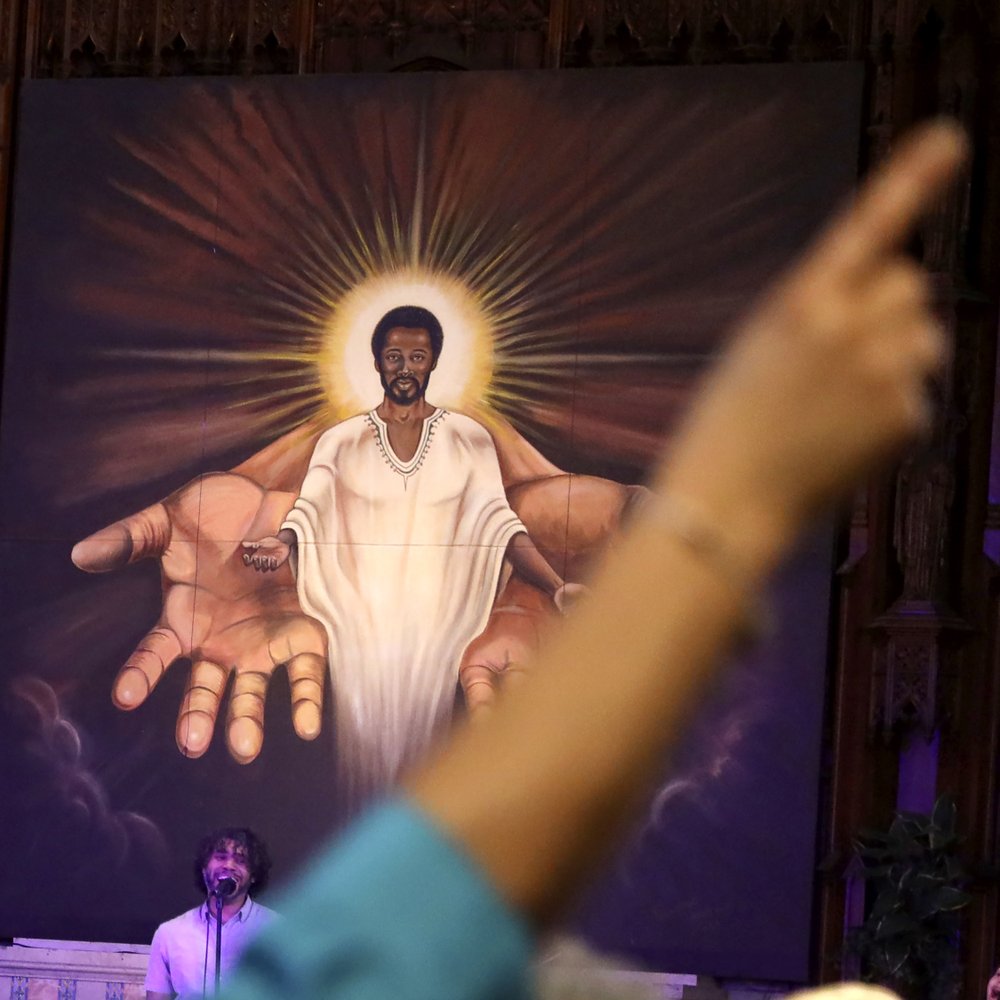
(562, 267)
(487, 282)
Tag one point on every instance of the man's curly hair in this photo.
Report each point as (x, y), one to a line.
(258, 859)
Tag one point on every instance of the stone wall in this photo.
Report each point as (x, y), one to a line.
(72, 970)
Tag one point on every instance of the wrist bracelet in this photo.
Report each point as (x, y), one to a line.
(700, 535)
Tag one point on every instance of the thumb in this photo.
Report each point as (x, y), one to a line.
(138, 536)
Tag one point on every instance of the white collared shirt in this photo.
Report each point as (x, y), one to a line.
(182, 953)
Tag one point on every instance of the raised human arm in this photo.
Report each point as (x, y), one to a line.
(823, 380)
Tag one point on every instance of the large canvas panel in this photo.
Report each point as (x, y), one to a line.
(195, 270)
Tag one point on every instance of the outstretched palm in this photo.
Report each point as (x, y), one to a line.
(224, 619)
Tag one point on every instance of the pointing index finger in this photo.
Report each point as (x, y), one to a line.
(893, 199)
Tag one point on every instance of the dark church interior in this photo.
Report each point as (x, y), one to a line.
(903, 617)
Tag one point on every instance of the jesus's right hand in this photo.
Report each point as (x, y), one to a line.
(215, 614)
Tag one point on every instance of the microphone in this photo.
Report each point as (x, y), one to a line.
(225, 886)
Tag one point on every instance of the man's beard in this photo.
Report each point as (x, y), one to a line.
(403, 399)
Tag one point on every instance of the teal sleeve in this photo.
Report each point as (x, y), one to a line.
(393, 911)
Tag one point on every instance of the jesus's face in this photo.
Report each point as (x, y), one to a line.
(405, 364)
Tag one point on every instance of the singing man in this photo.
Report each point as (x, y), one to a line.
(231, 863)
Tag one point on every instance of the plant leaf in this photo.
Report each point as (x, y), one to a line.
(948, 899)
(866, 833)
(895, 925)
(896, 952)
(943, 814)
(885, 902)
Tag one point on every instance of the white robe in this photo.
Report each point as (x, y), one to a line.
(400, 561)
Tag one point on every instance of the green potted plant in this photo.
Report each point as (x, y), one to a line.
(909, 939)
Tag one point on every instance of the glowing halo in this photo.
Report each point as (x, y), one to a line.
(464, 367)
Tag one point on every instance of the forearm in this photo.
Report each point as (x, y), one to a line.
(531, 565)
(826, 377)
(536, 794)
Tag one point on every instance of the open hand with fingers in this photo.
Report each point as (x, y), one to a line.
(224, 619)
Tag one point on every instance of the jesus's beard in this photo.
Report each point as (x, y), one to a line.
(404, 398)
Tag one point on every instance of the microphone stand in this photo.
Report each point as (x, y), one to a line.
(217, 896)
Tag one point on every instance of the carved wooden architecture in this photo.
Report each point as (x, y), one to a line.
(917, 647)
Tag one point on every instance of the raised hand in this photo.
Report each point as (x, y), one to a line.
(825, 378)
(828, 374)
(225, 619)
